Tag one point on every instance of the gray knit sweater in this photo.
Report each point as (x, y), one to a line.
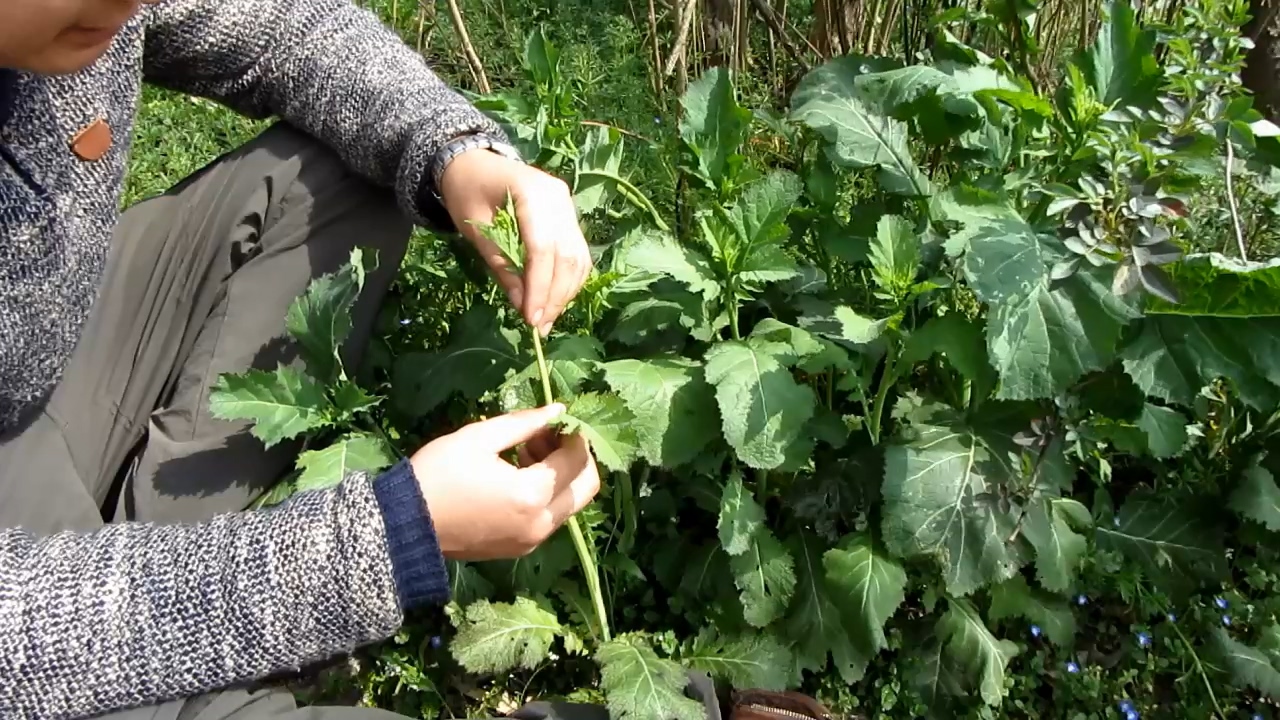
(133, 614)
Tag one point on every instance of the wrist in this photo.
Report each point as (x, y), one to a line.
(463, 150)
(417, 563)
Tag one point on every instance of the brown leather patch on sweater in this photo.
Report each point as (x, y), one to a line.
(93, 141)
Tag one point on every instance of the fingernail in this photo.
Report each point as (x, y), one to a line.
(556, 409)
(537, 316)
(546, 330)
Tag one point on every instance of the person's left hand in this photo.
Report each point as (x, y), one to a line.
(557, 260)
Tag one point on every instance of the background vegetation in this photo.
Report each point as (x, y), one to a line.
(1024, 391)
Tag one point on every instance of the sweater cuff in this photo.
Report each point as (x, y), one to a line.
(416, 562)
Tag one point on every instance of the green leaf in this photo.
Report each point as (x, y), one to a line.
(895, 256)
(1121, 66)
(1248, 666)
(973, 653)
(504, 232)
(330, 466)
(714, 127)
(1172, 357)
(858, 135)
(869, 586)
(674, 407)
(840, 323)
(751, 660)
(1051, 526)
(601, 153)
(351, 399)
(960, 341)
(763, 408)
(657, 317)
(542, 59)
(466, 584)
(1166, 430)
(659, 252)
(814, 622)
(608, 426)
(815, 354)
(1257, 497)
(534, 574)
(759, 222)
(478, 357)
(638, 684)
(740, 516)
(499, 637)
(281, 491)
(282, 404)
(765, 577)
(1041, 336)
(890, 91)
(571, 362)
(1221, 286)
(1175, 545)
(932, 505)
(320, 319)
(1014, 598)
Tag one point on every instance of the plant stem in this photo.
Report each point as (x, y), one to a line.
(731, 301)
(1208, 686)
(887, 381)
(585, 557)
(544, 372)
(1231, 201)
(631, 193)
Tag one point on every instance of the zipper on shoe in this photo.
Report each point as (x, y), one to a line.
(779, 712)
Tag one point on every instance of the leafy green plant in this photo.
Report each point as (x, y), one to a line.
(323, 402)
(941, 409)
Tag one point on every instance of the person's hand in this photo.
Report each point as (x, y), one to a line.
(558, 261)
(485, 508)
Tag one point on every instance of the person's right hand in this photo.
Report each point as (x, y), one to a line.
(485, 508)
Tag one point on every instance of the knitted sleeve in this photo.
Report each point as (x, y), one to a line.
(133, 614)
(327, 67)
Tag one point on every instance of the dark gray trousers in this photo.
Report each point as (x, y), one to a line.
(197, 284)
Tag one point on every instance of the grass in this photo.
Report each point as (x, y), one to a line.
(176, 135)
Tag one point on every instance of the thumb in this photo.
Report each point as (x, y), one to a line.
(507, 431)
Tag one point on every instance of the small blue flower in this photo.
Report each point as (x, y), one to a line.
(1082, 600)
(1036, 631)
(436, 642)
(1116, 521)
(1131, 714)
(1172, 617)
(1226, 620)
(1072, 667)
(1144, 639)
(1257, 716)
(1221, 603)
(1125, 706)
(405, 321)
(657, 120)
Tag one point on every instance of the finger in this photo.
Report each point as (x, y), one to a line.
(567, 462)
(539, 232)
(507, 431)
(538, 447)
(575, 497)
(572, 255)
(587, 267)
(544, 443)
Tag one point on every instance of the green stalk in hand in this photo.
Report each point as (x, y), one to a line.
(505, 233)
